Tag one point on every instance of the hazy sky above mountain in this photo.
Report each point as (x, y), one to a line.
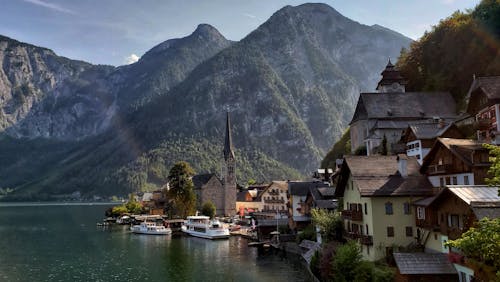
(117, 32)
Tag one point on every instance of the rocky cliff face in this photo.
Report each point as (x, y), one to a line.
(44, 95)
(290, 87)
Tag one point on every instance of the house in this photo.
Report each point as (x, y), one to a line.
(221, 192)
(456, 161)
(391, 110)
(297, 194)
(484, 104)
(377, 193)
(424, 267)
(320, 198)
(248, 201)
(450, 213)
(420, 137)
(274, 198)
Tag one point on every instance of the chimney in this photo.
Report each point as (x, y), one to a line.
(441, 123)
(403, 165)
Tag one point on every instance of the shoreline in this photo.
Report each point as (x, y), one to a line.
(34, 204)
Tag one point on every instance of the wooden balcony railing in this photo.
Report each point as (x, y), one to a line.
(276, 201)
(439, 168)
(352, 215)
(366, 240)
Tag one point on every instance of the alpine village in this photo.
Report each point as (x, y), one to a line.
(409, 192)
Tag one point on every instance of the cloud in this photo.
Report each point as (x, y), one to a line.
(449, 2)
(131, 59)
(249, 16)
(51, 6)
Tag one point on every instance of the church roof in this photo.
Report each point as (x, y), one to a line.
(202, 179)
(228, 143)
(390, 75)
(409, 105)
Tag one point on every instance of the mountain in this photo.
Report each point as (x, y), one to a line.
(290, 87)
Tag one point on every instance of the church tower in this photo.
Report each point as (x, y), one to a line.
(229, 172)
(391, 81)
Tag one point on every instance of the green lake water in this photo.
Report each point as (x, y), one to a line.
(63, 243)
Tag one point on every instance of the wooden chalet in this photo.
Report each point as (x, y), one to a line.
(450, 213)
(484, 105)
(456, 162)
(419, 138)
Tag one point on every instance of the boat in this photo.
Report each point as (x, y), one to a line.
(201, 226)
(150, 228)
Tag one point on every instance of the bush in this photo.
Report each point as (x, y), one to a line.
(208, 209)
(307, 234)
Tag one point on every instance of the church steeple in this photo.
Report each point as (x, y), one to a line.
(391, 81)
(229, 172)
(228, 144)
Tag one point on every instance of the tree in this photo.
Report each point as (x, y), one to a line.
(346, 261)
(342, 147)
(482, 245)
(181, 189)
(208, 209)
(329, 223)
(133, 206)
(494, 170)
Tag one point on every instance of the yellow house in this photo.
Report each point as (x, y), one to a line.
(377, 193)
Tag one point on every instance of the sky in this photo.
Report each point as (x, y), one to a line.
(117, 32)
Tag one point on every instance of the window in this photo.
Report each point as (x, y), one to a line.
(466, 180)
(441, 182)
(388, 208)
(390, 231)
(366, 210)
(367, 229)
(448, 180)
(454, 180)
(406, 208)
(409, 231)
(420, 213)
(454, 220)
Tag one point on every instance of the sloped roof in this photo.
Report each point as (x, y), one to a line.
(490, 85)
(461, 148)
(423, 263)
(378, 176)
(202, 179)
(409, 105)
(301, 188)
(429, 130)
(475, 194)
(326, 191)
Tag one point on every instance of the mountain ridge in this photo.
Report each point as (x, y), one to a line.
(290, 87)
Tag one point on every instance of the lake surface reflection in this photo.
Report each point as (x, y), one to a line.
(63, 243)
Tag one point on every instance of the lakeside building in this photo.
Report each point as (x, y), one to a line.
(221, 192)
(391, 110)
(297, 195)
(377, 193)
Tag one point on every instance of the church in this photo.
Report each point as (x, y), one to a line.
(220, 191)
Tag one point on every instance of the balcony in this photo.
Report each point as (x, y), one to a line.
(483, 124)
(427, 225)
(439, 168)
(353, 235)
(273, 193)
(352, 215)
(275, 201)
(366, 240)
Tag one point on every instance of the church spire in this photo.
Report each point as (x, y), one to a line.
(228, 144)
(391, 81)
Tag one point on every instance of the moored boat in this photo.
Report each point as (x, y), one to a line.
(150, 228)
(201, 226)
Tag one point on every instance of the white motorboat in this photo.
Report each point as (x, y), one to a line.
(150, 228)
(201, 226)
